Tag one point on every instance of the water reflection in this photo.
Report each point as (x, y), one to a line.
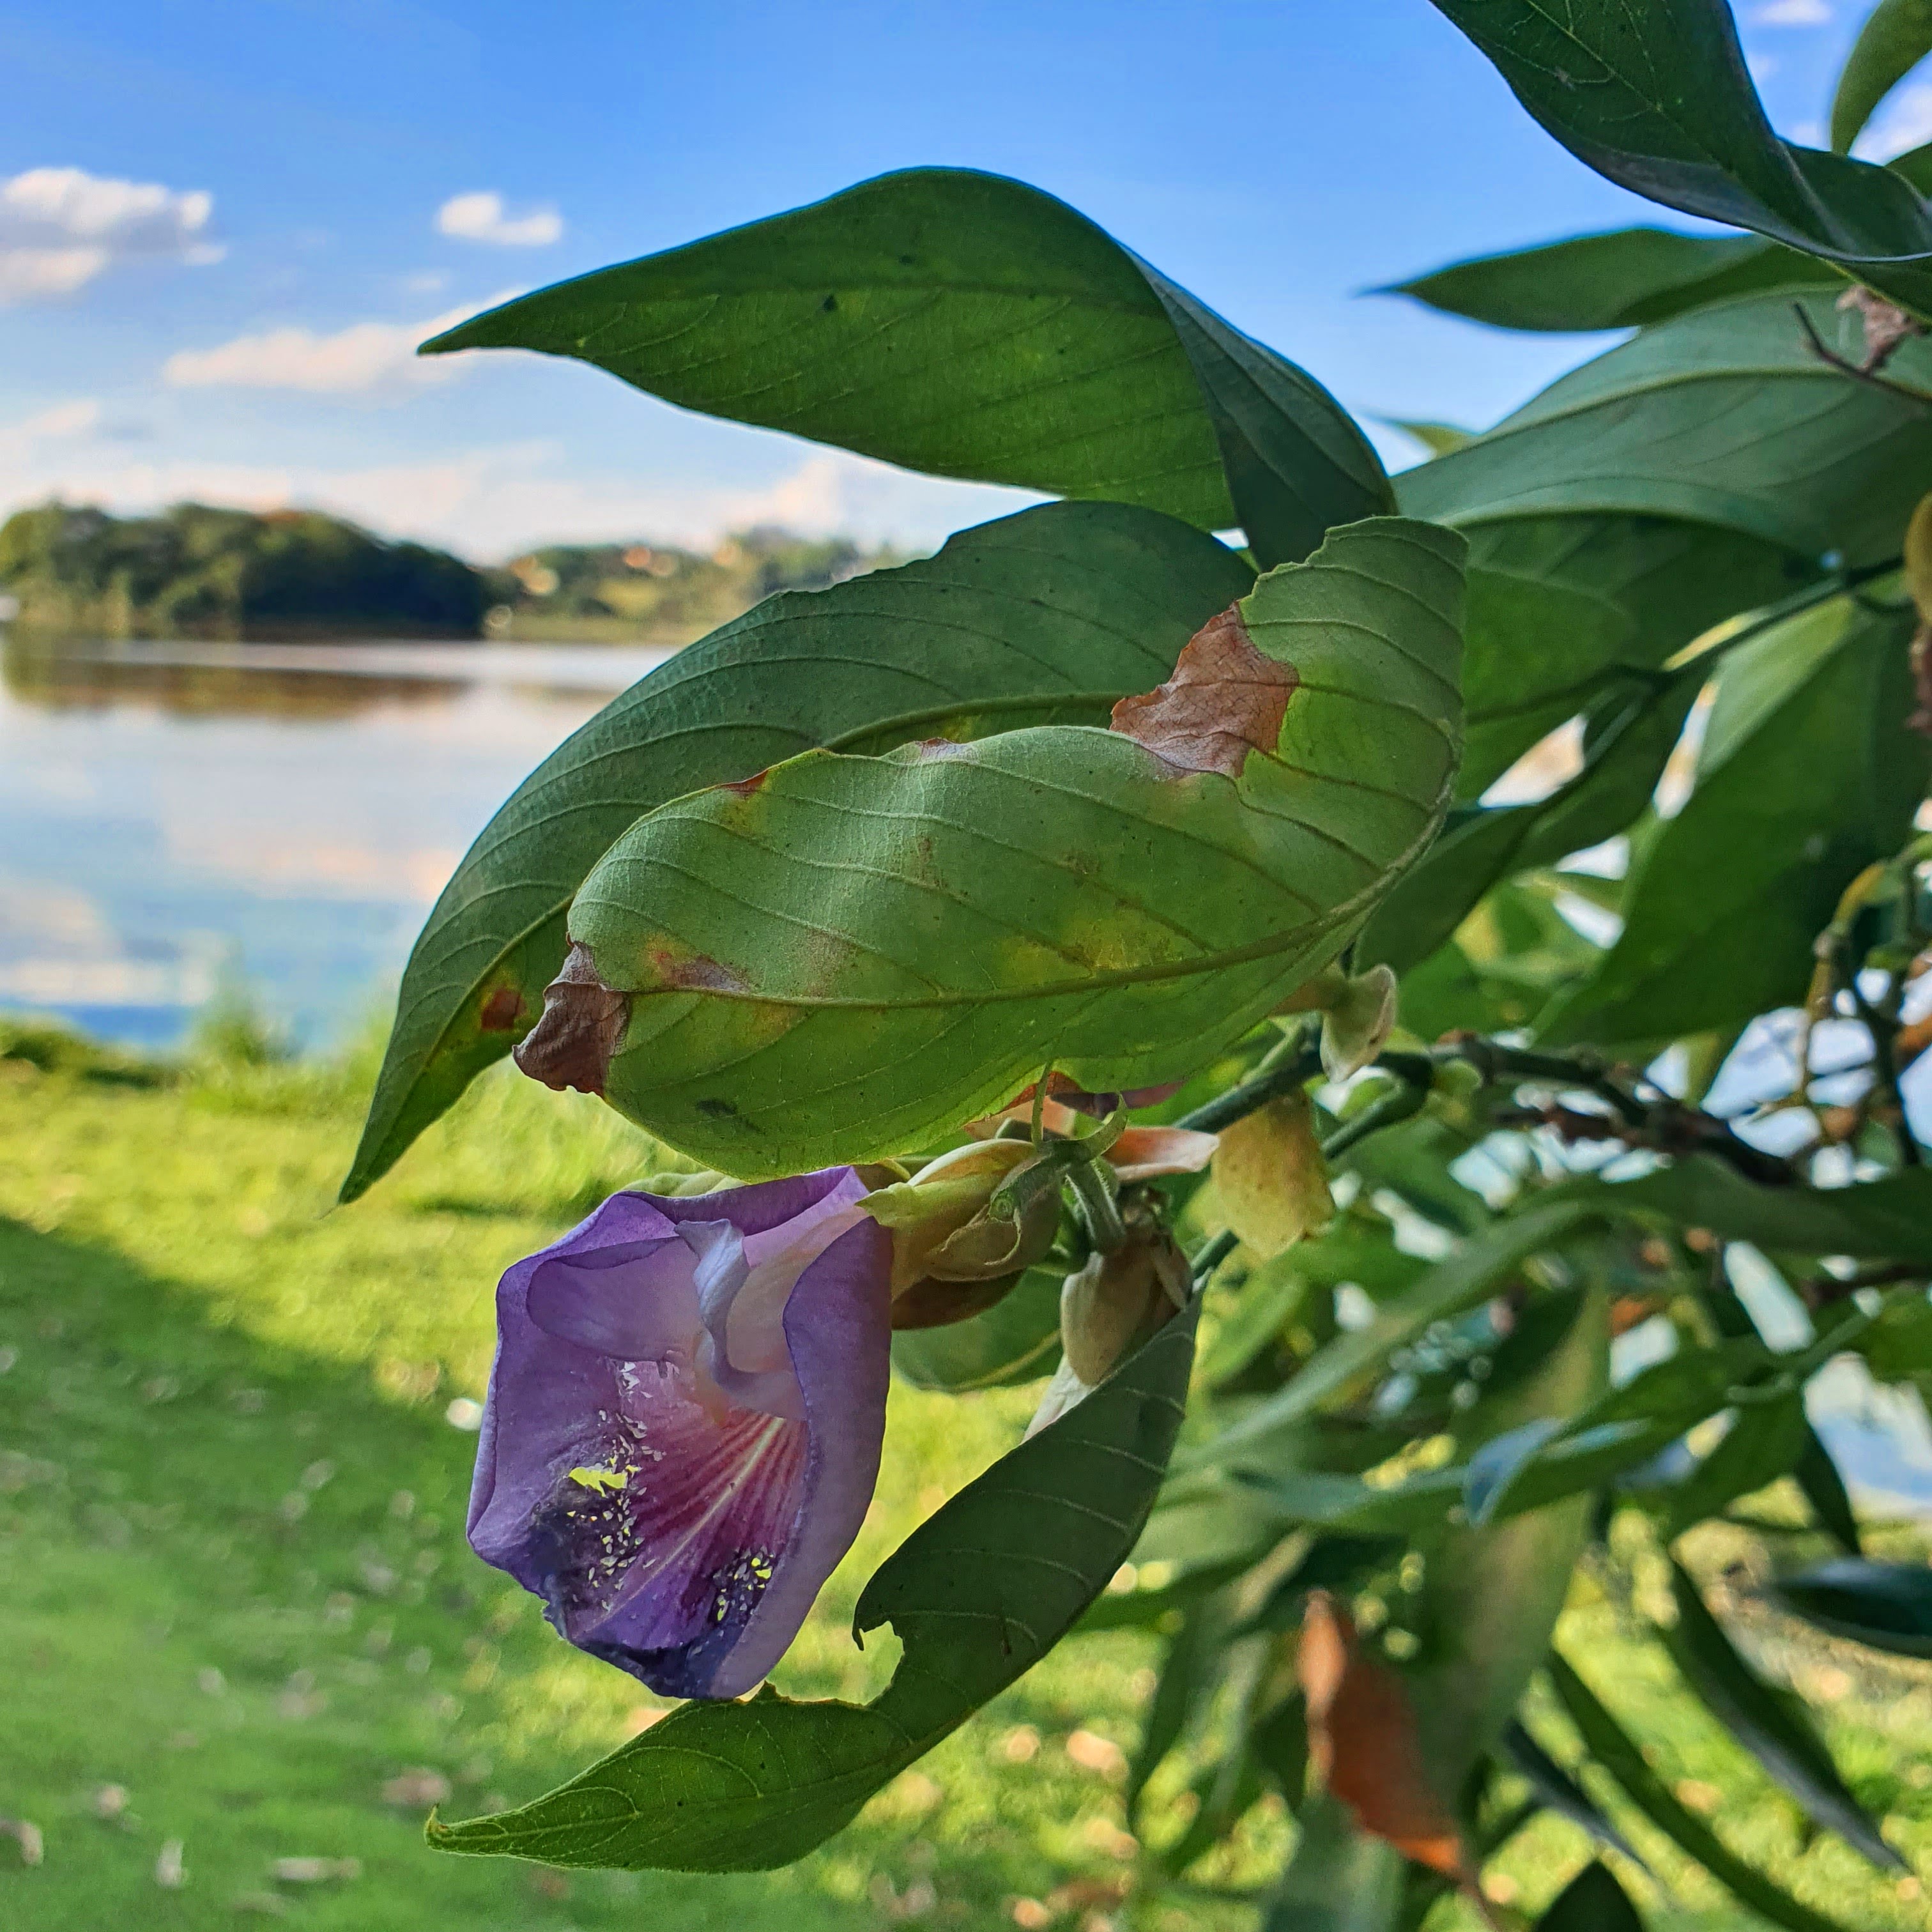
(174, 815)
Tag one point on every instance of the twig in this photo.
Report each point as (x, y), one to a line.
(1820, 1290)
(1859, 372)
(1407, 1099)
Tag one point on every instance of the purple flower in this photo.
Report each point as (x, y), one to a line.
(683, 1424)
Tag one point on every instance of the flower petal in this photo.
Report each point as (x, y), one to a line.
(1141, 1153)
(677, 1522)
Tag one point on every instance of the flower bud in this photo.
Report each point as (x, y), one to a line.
(1270, 1179)
(1107, 1310)
(945, 1231)
(1113, 1304)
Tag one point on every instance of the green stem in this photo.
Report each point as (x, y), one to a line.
(1212, 1252)
(1290, 1062)
(1406, 1099)
(1098, 1208)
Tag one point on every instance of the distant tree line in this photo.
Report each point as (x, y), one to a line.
(661, 592)
(196, 571)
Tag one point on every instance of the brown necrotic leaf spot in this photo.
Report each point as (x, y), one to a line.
(583, 1025)
(1225, 699)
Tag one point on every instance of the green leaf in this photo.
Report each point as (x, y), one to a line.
(1723, 417)
(1896, 37)
(1807, 773)
(1340, 1879)
(1450, 1289)
(1624, 279)
(1620, 1432)
(1763, 1443)
(1015, 1340)
(1192, 1665)
(1592, 1901)
(1772, 1726)
(1655, 94)
(1044, 616)
(1887, 1606)
(977, 1594)
(1888, 1219)
(1491, 1593)
(969, 325)
(1614, 1749)
(1567, 614)
(1825, 1490)
(1557, 1791)
(1437, 438)
(854, 951)
(1628, 739)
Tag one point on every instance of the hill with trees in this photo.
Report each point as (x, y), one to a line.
(196, 570)
(660, 592)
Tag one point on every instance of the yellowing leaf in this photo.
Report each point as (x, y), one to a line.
(1270, 1178)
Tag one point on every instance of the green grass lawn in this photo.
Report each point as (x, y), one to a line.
(237, 1614)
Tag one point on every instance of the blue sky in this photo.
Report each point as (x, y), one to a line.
(222, 226)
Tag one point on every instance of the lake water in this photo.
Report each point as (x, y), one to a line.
(177, 819)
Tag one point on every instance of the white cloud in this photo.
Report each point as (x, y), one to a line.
(21, 442)
(366, 358)
(1791, 13)
(482, 217)
(61, 227)
(1903, 123)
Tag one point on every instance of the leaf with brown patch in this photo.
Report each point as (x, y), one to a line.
(1225, 699)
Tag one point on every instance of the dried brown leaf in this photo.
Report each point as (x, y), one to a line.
(1225, 699)
(583, 1023)
(1364, 1744)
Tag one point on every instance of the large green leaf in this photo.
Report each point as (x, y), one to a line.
(1723, 417)
(1807, 774)
(1340, 1879)
(1772, 1725)
(1492, 1593)
(1612, 1746)
(1049, 614)
(831, 962)
(1655, 94)
(971, 326)
(977, 1595)
(1575, 613)
(1896, 37)
(1624, 279)
(1452, 1286)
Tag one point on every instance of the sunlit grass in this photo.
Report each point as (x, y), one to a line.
(232, 1508)
(236, 1589)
